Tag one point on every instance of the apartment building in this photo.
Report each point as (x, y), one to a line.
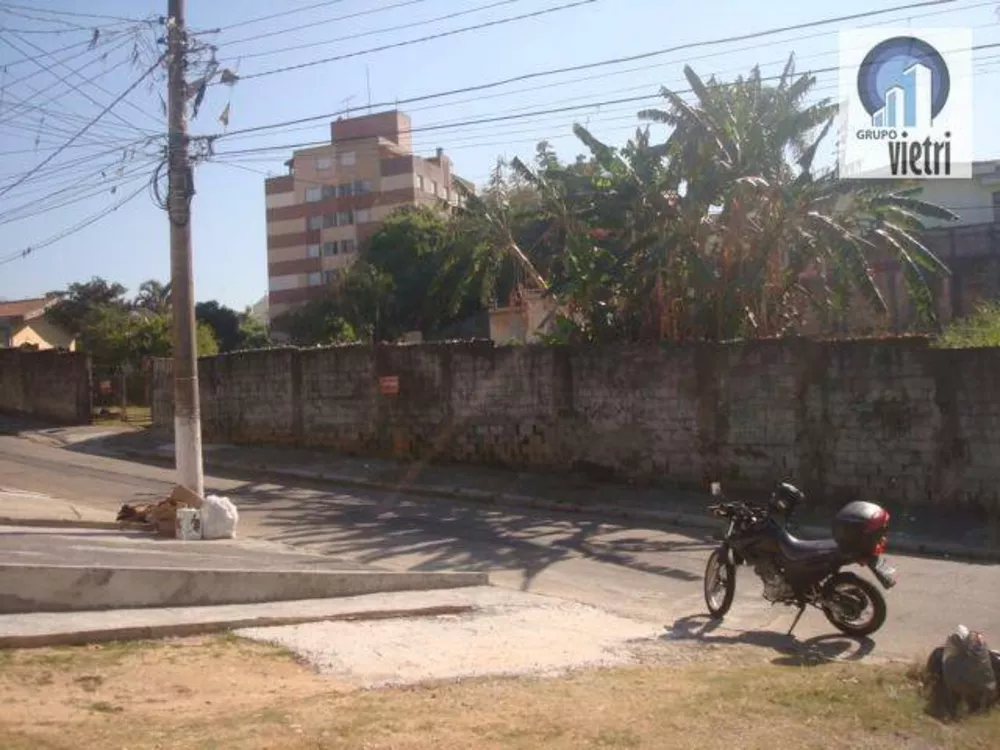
(331, 201)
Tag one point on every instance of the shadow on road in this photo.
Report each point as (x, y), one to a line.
(821, 649)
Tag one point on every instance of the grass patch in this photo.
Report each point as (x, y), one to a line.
(227, 692)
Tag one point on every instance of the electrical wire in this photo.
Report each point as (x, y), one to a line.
(371, 32)
(240, 24)
(535, 113)
(74, 87)
(71, 230)
(67, 13)
(94, 120)
(25, 104)
(313, 24)
(92, 82)
(94, 191)
(588, 66)
(428, 38)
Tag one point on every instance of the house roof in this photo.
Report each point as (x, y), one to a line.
(24, 308)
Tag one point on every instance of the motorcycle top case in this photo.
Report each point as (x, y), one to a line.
(859, 526)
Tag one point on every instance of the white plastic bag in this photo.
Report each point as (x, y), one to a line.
(218, 518)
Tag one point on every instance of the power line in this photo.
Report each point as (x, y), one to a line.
(67, 13)
(430, 37)
(589, 66)
(64, 60)
(111, 185)
(357, 14)
(241, 134)
(537, 113)
(83, 130)
(71, 230)
(65, 80)
(92, 81)
(283, 13)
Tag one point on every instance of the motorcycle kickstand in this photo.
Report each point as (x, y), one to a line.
(798, 616)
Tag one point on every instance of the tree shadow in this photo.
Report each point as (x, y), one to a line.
(822, 649)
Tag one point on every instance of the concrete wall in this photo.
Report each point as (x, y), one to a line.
(844, 419)
(46, 384)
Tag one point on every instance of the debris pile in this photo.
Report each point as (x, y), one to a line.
(963, 670)
(216, 516)
(159, 517)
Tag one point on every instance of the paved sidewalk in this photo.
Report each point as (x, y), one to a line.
(921, 531)
(18, 507)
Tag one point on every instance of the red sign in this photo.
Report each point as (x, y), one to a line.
(388, 385)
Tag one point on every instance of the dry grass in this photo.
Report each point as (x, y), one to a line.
(226, 693)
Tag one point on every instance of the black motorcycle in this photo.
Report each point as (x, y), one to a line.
(803, 573)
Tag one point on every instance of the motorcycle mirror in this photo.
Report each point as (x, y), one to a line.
(716, 488)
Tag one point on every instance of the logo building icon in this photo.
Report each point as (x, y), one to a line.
(906, 104)
(903, 82)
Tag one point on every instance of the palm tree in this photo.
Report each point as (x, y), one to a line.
(153, 296)
(755, 222)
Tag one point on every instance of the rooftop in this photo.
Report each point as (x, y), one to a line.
(24, 308)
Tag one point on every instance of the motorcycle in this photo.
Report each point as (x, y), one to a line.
(802, 573)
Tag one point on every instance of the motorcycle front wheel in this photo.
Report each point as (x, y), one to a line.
(720, 583)
(853, 605)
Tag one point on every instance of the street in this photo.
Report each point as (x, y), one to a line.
(643, 573)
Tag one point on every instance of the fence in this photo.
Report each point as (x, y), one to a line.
(122, 394)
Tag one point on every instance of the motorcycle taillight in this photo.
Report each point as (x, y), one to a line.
(881, 547)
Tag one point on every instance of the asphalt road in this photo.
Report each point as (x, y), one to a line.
(634, 571)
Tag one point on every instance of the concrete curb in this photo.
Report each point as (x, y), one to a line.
(188, 629)
(62, 523)
(72, 588)
(670, 518)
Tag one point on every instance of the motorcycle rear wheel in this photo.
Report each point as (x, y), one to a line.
(850, 591)
(720, 584)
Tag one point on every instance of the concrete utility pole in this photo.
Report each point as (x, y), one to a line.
(187, 410)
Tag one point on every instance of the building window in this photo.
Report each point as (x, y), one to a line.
(323, 163)
(434, 188)
(312, 251)
(420, 181)
(329, 191)
(314, 194)
(329, 220)
(362, 216)
(331, 276)
(314, 222)
(329, 248)
(345, 190)
(348, 159)
(362, 187)
(347, 247)
(315, 279)
(344, 219)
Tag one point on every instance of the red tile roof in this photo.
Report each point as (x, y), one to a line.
(23, 308)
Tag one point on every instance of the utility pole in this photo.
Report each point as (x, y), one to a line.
(187, 410)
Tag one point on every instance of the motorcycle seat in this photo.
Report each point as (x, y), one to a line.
(801, 550)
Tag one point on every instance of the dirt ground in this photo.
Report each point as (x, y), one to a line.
(223, 692)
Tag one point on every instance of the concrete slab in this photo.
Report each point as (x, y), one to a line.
(83, 570)
(507, 633)
(20, 507)
(43, 629)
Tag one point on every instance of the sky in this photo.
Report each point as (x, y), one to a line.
(64, 207)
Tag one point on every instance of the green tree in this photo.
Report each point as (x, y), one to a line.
(253, 333)
(981, 329)
(80, 299)
(408, 254)
(725, 230)
(223, 320)
(153, 296)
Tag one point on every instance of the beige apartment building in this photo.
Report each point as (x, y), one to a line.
(334, 196)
